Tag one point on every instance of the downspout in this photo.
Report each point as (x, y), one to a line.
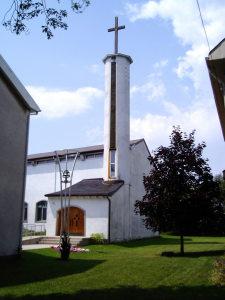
(109, 219)
(55, 173)
(24, 186)
(129, 215)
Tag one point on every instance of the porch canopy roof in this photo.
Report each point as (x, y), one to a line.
(216, 67)
(91, 187)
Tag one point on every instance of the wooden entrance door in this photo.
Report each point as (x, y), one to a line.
(76, 221)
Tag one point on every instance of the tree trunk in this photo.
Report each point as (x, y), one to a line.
(181, 242)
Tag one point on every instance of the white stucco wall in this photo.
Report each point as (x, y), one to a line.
(139, 165)
(125, 224)
(122, 115)
(41, 181)
(123, 118)
(14, 122)
(218, 52)
(107, 117)
(95, 214)
(120, 218)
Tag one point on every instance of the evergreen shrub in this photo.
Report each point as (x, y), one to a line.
(97, 238)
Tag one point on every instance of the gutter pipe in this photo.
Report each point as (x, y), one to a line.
(24, 186)
(109, 220)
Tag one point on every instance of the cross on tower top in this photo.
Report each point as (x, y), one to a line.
(116, 28)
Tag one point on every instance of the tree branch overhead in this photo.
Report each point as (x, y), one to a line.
(21, 11)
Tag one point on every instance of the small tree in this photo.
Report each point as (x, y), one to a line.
(65, 246)
(179, 188)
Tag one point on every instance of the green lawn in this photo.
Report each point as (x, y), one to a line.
(134, 270)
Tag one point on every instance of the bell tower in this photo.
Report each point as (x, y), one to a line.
(117, 113)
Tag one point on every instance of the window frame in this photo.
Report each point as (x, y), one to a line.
(112, 163)
(25, 208)
(42, 211)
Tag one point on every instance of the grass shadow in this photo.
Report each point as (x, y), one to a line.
(166, 241)
(202, 243)
(45, 266)
(214, 253)
(157, 241)
(163, 292)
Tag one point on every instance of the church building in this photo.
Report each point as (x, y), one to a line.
(108, 178)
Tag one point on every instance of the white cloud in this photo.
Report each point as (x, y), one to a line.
(93, 133)
(157, 128)
(96, 69)
(161, 64)
(201, 114)
(154, 89)
(185, 90)
(118, 12)
(187, 27)
(56, 103)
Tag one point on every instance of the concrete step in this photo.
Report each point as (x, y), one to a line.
(54, 240)
(75, 241)
(75, 238)
(30, 240)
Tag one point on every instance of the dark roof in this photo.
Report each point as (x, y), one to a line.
(91, 187)
(82, 150)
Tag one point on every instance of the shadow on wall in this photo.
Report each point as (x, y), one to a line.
(46, 267)
(134, 293)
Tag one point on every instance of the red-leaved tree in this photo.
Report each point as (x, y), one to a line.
(180, 189)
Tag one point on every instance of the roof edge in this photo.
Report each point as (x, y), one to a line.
(141, 140)
(82, 150)
(217, 46)
(18, 86)
(118, 54)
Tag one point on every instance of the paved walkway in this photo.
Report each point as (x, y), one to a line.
(35, 246)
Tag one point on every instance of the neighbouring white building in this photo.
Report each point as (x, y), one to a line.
(216, 67)
(108, 178)
(16, 107)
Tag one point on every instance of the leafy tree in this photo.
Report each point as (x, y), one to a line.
(219, 223)
(22, 10)
(219, 178)
(179, 188)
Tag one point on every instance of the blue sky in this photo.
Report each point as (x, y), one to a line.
(169, 80)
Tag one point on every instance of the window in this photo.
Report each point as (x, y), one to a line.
(40, 162)
(90, 156)
(50, 161)
(42, 211)
(112, 163)
(98, 155)
(25, 212)
(73, 157)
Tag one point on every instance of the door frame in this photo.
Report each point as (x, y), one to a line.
(71, 206)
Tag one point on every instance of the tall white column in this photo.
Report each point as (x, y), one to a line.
(117, 75)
